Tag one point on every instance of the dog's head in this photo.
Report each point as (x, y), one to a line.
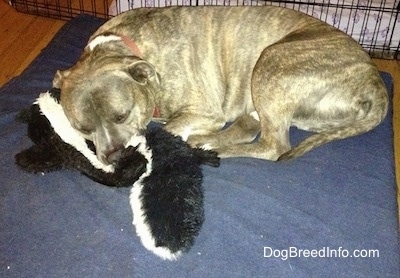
(108, 99)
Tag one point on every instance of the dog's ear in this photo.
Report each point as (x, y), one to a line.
(59, 76)
(142, 72)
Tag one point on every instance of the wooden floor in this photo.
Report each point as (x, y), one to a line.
(23, 36)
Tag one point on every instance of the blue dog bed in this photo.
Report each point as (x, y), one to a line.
(331, 213)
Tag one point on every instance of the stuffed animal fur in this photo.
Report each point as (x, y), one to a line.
(164, 172)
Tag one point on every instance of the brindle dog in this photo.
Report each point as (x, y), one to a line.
(198, 68)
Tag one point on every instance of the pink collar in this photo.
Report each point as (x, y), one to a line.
(132, 45)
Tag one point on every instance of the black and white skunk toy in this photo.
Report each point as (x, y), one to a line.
(165, 174)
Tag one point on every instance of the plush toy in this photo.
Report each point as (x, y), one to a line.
(164, 172)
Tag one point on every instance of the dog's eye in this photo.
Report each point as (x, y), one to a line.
(119, 119)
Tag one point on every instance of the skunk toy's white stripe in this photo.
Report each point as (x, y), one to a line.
(139, 215)
(53, 111)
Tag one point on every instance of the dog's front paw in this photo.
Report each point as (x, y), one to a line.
(37, 160)
(130, 166)
(204, 142)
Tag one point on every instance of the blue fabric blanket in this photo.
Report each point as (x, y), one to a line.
(330, 213)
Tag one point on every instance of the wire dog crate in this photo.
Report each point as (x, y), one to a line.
(375, 24)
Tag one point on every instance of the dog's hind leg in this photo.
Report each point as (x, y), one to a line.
(304, 84)
(364, 111)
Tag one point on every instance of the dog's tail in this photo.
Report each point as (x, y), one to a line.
(374, 112)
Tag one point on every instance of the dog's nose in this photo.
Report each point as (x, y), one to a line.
(113, 156)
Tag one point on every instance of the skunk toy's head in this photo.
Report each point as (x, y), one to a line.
(58, 146)
(164, 172)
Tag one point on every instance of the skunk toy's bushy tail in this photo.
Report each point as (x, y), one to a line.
(167, 201)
